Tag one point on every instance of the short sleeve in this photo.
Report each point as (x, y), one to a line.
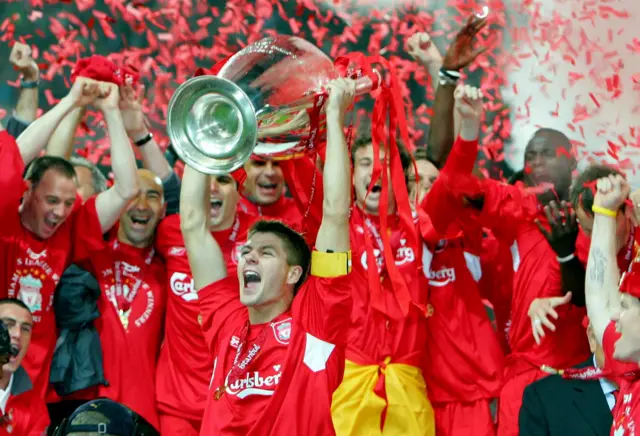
(609, 339)
(12, 183)
(168, 235)
(39, 422)
(220, 302)
(86, 232)
(323, 306)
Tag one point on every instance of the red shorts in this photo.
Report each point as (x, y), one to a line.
(511, 400)
(464, 419)
(174, 426)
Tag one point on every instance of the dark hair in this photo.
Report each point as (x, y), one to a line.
(15, 301)
(563, 140)
(298, 252)
(405, 156)
(422, 153)
(581, 193)
(41, 165)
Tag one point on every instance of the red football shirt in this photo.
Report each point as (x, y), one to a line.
(185, 364)
(627, 408)
(129, 355)
(31, 267)
(285, 210)
(287, 386)
(26, 413)
(465, 360)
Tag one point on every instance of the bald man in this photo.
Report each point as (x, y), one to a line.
(132, 304)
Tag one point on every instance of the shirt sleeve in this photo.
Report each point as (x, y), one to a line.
(171, 186)
(165, 238)
(323, 306)
(39, 420)
(15, 126)
(86, 233)
(12, 184)
(219, 302)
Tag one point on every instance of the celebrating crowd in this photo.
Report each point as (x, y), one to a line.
(381, 289)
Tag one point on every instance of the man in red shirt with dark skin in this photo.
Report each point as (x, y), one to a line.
(512, 214)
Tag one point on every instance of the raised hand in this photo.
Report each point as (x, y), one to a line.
(84, 91)
(468, 102)
(612, 192)
(108, 98)
(423, 50)
(563, 228)
(130, 105)
(341, 94)
(22, 60)
(540, 311)
(461, 52)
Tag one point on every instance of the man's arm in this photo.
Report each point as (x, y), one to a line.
(333, 235)
(61, 142)
(33, 140)
(111, 203)
(205, 257)
(532, 420)
(601, 285)
(21, 59)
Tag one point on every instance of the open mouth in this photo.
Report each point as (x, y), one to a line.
(376, 189)
(251, 280)
(140, 221)
(215, 206)
(268, 188)
(15, 350)
(50, 223)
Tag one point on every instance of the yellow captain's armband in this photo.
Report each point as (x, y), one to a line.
(330, 264)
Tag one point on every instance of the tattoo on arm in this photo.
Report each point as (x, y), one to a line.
(596, 272)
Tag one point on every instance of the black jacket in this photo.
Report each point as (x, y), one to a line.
(77, 360)
(554, 406)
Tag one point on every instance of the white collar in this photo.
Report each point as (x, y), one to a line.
(5, 394)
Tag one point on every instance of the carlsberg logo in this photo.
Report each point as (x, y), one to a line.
(254, 380)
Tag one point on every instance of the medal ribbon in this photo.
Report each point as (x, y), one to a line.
(123, 302)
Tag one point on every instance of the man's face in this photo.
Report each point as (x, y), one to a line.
(224, 199)
(85, 182)
(19, 322)
(627, 348)
(265, 182)
(49, 203)
(139, 221)
(362, 174)
(263, 271)
(547, 162)
(623, 226)
(428, 173)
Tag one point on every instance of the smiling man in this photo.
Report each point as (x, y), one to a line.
(24, 413)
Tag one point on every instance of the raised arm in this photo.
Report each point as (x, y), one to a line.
(111, 203)
(333, 235)
(61, 142)
(33, 140)
(205, 257)
(22, 60)
(601, 285)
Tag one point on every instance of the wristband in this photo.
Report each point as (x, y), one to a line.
(604, 211)
(29, 84)
(448, 77)
(144, 140)
(566, 258)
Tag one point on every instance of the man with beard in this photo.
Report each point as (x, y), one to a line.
(511, 214)
(23, 411)
(51, 228)
(278, 355)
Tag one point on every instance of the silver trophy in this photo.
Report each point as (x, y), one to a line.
(257, 104)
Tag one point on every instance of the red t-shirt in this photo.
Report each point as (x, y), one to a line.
(509, 212)
(376, 334)
(465, 360)
(627, 408)
(31, 267)
(285, 210)
(185, 364)
(26, 413)
(286, 388)
(130, 355)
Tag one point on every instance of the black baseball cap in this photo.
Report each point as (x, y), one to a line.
(118, 419)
